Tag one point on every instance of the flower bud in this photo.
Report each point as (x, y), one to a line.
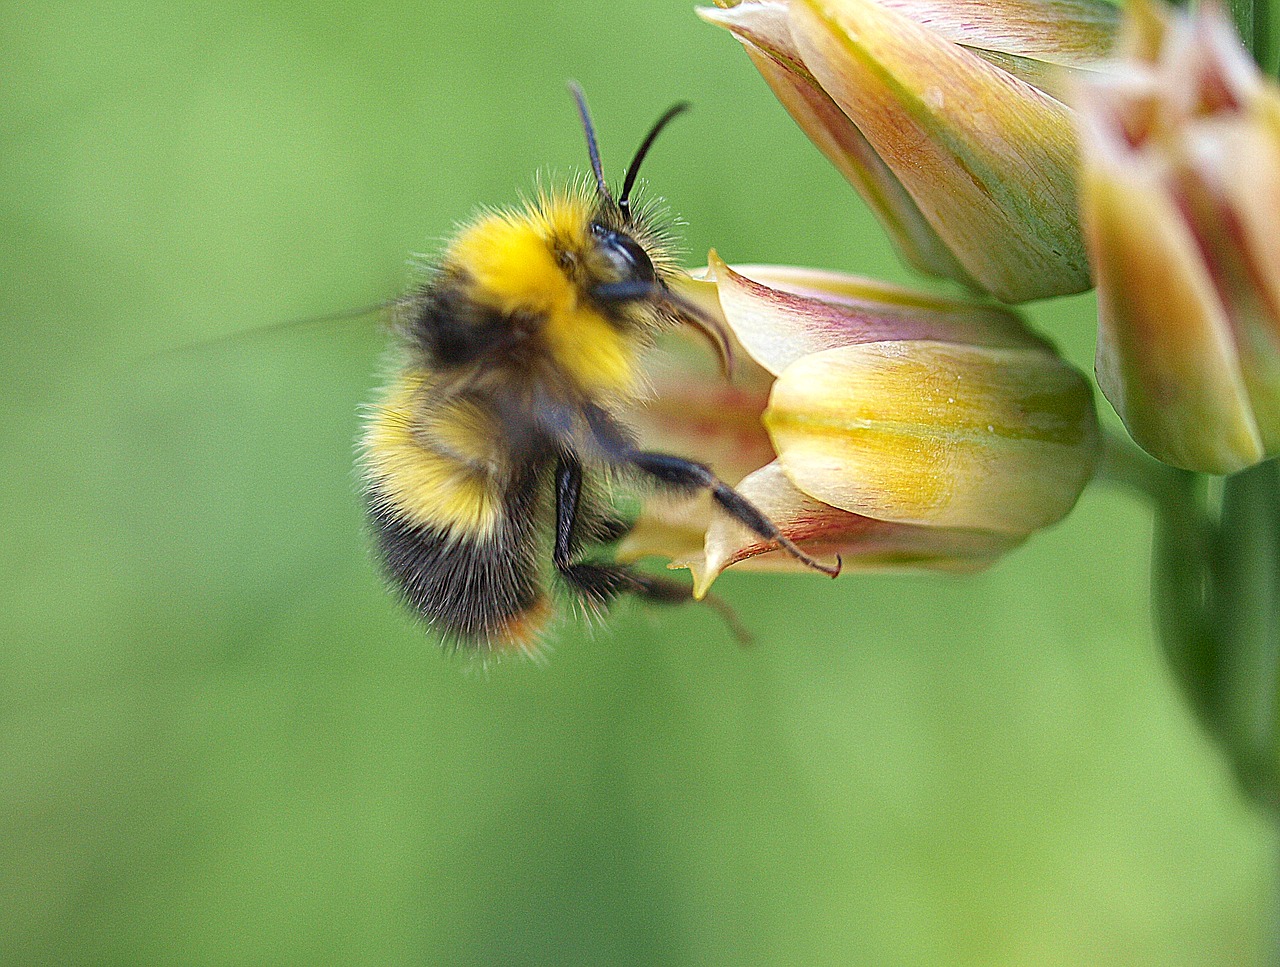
(1181, 201)
(900, 429)
(944, 115)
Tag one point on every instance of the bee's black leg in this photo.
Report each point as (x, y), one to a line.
(679, 474)
(598, 584)
(601, 584)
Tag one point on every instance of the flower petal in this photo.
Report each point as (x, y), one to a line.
(765, 33)
(1166, 356)
(1231, 192)
(780, 314)
(694, 411)
(989, 159)
(864, 544)
(1046, 43)
(939, 434)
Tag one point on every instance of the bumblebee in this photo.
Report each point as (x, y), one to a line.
(503, 433)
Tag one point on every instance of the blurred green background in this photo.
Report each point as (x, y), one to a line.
(222, 743)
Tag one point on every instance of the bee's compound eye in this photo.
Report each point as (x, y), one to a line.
(624, 252)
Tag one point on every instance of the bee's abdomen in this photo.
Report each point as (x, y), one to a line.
(456, 520)
(482, 592)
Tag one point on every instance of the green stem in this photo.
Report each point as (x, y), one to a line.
(1181, 555)
(1182, 549)
(1125, 464)
(1215, 595)
(1246, 613)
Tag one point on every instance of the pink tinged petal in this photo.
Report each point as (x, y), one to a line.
(765, 33)
(1230, 196)
(1205, 68)
(989, 159)
(789, 313)
(863, 543)
(937, 434)
(696, 413)
(1222, 143)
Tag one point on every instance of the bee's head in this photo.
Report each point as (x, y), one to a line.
(578, 275)
(616, 257)
(620, 269)
(620, 256)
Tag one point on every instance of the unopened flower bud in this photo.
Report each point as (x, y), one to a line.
(1181, 200)
(893, 427)
(944, 114)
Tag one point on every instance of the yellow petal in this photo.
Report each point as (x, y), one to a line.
(1231, 199)
(1047, 43)
(765, 33)
(929, 433)
(1167, 357)
(670, 530)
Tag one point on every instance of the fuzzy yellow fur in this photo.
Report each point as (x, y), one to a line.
(513, 260)
(434, 472)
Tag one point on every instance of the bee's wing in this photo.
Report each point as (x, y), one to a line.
(389, 310)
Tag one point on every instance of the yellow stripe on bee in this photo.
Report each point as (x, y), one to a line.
(429, 487)
(513, 261)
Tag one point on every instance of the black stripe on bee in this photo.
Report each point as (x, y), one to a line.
(485, 592)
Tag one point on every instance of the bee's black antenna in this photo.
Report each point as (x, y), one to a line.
(634, 168)
(592, 149)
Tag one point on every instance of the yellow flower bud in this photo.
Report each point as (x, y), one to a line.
(944, 114)
(896, 428)
(1181, 201)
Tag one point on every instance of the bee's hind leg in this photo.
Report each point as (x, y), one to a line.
(600, 584)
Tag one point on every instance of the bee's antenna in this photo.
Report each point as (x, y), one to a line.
(624, 202)
(592, 149)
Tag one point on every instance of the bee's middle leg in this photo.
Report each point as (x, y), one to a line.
(599, 584)
(689, 476)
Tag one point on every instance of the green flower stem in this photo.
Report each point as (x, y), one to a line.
(1246, 617)
(1215, 590)
(1215, 600)
(1181, 564)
